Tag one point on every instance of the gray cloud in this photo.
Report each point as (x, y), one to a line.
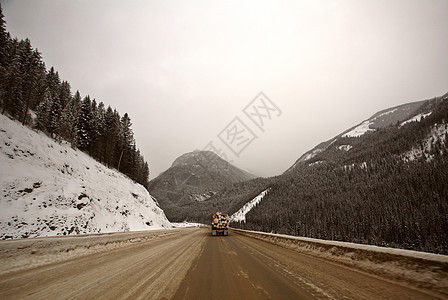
(184, 69)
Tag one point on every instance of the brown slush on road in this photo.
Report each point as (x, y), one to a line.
(191, 264)
(241, 267)
(152, 269)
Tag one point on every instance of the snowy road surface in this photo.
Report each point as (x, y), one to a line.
(190, 264)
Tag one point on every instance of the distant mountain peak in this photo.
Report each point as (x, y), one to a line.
(194, 177)
(197, 157)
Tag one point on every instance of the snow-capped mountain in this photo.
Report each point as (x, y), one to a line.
(402, 115)
(49, 188)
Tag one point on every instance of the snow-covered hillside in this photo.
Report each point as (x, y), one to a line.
(359, 130)
(50, 189)
(240, 215)
(416, 118)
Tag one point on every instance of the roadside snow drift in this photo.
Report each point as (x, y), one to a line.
(240, 215)
(359, 130)
(416, 118)
(50, 189)
(427, 270)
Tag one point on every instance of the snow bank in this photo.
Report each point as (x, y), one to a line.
(202, 197)
(187, 224)
(416, 118)
(386, 113)
(50, 189)
(240, 215)
(422, 269)
(359, 130)
(345, 147)
(308, 156)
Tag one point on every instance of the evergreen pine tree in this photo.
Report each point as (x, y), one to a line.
(12, 92)
(112, 134)
(65, 94)
(42, 112)
(69, 117)
(101, 131)
(3, 53)
(126, 143)
(83, 130)
(93, 130)
(76, 110)
(145, 175)
(53, 83)
(31, 68)
(3, 38)
(55, 106)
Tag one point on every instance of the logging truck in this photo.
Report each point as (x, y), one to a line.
(220, 224)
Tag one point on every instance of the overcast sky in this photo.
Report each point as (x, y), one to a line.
(184, 70)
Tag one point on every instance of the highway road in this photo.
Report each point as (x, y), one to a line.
(190, 264)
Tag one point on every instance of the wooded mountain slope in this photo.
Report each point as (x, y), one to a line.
(386, 187)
